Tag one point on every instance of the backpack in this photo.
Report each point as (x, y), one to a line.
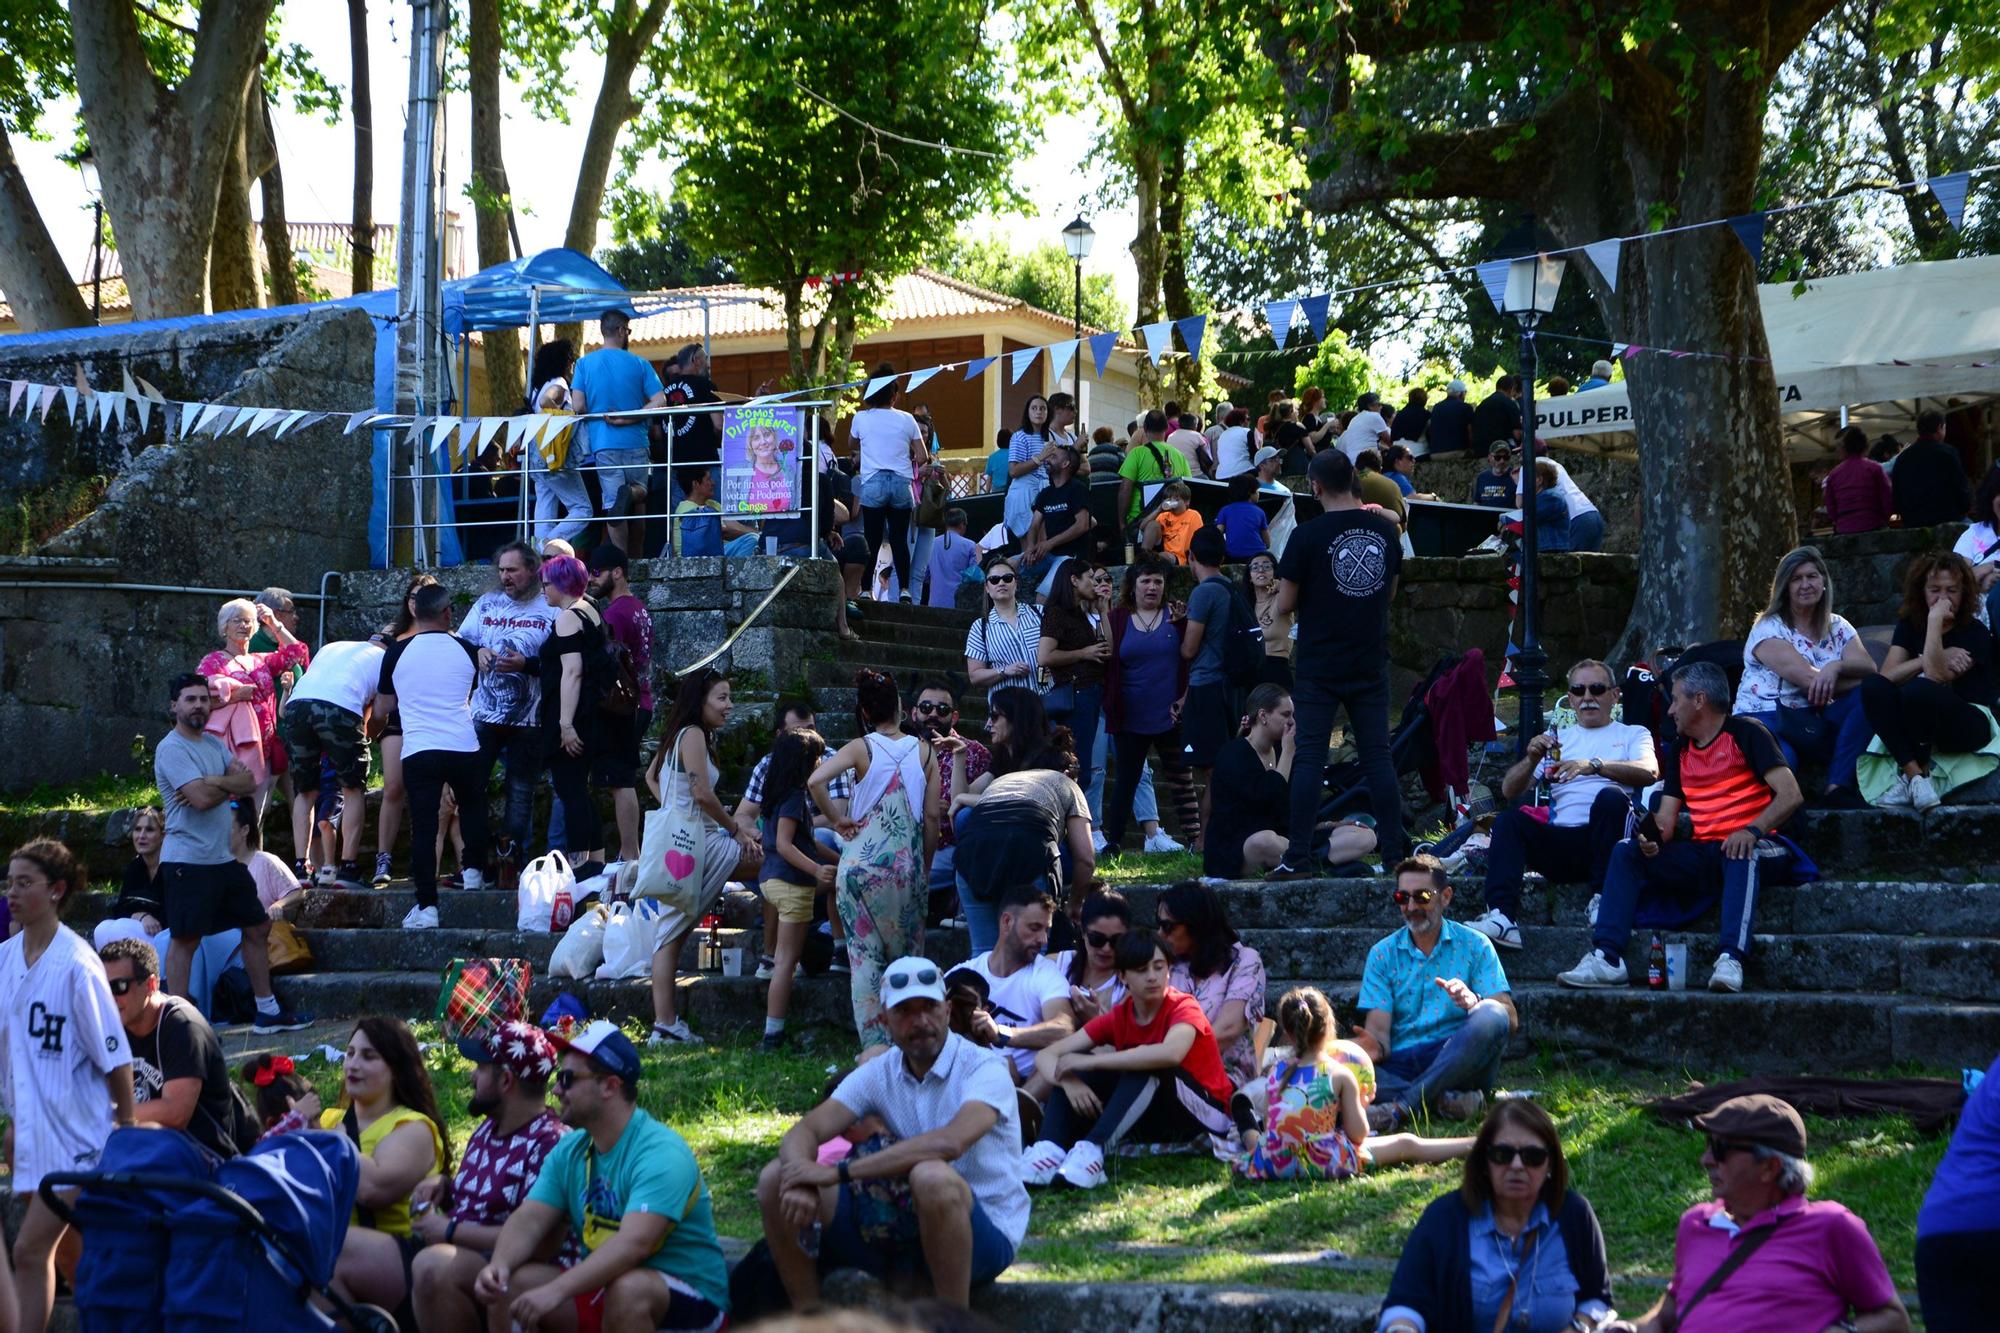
(1242, 641)
(621, 682)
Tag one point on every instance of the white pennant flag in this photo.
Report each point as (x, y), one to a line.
(1156, 336)
(15, 390)
(488, 428)
(291, 419)
(145, 406)
(441, 430)
(110, 409)
(209, 413)
(918, 377)
(264, 418)
(517, 429)
(189, 411)
(243, 418)
(1060, 355)
(1604, 254)
(69, 400)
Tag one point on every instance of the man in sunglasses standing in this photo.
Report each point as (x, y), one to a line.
(951, 1109)
(1590, 802)
(1437, 1010)
(1762, 1255)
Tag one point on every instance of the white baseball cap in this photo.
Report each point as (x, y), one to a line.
(912, 979)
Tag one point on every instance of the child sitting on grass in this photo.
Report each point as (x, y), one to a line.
(284, 1100)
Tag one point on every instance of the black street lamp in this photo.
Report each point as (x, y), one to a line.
(87, 164)
(1532, 284)
(1077, 239)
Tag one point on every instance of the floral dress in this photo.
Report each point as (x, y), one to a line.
(259, 671)
(882, 887)
(1302, 1136)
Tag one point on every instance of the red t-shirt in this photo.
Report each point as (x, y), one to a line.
(1203, 1061)
(1722, 783)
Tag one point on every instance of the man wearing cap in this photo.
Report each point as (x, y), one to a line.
(1494, 487)
(458, 1221)
(1450, 429)
(628, 1189)
(1762, 1255)
(951, 1108)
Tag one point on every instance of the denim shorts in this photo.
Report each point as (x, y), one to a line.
(617, 469)
(884, 489)
(843, 1246)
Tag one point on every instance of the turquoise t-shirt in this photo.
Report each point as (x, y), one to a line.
(651, 1170)
(1399, 978)
(612, 379)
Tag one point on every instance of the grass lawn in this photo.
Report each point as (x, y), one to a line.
(99, 795)
(1184, 1218)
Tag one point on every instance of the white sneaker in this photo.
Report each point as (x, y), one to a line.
(471, 881)
(1899, 796)
(1160, 842)
(1040, 1163)
(421, 918)
(1497, 926)
(1084, 1166)
(327, 877)
(680, 1034)
(1728, 975)
(1591, 911)
(1593, 973)
(1923, 794)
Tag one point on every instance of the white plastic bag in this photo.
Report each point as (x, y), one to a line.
(544, 880)
(582, 946)
(628, 945)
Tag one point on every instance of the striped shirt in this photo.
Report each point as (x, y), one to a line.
(995, 642)
(1722, 783)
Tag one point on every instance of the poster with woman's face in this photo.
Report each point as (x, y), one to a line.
(760, 460)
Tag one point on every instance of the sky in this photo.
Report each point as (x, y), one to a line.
(542, 157)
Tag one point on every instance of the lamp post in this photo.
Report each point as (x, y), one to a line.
(1077, 238)
(1532, 284)
(87, 164)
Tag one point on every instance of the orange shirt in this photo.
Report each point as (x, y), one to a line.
(1177, 530)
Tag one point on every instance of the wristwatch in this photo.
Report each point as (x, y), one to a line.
(1002, 1037)
(1597, 766)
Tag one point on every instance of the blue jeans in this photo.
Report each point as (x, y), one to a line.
(920, 563)
(1145, 807)
(520, 748)
(1678, 885)
(1470, 1058)
(1367, 704)
(1835, 735)
(1082, 721)
(1586, 531)
(560, 492)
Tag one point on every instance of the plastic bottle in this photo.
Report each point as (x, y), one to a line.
(1656, 965)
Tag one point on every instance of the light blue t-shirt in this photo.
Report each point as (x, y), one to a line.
(1398, 977)
(996, 470)
(612, 379)
(1209, 606)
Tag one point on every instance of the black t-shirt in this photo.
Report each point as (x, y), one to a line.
(1497, 418)
(1494, 489)
(1247, 798)
(1450, 429)
(1410, 424)
(1062, 508)
(141, 892)
(185, 1046)
(1975, 686)
(1344, 563)
(587, 642)
(694, 434)
(1292, 444)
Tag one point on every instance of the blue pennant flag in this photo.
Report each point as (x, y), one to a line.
(1021, 361)
(1192, 329)
(1950, 192)
(979, 366)
(1316, 308)
(1493, 277)
(1060, 355)
(1749, 229)
(1280, 314)
(875, 385)
(919, 377)
(1100, 349)
(1156, 336)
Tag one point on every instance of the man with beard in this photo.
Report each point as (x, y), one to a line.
(1027, 996)
(508, 626)
(458, 1221)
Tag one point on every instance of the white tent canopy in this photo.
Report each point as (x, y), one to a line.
(1880, 344)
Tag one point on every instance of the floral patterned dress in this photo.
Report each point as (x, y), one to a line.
(259, 671)
(1302, 1135)
(882, 887)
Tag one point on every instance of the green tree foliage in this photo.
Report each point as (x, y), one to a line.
(650, 250)
(794, 190)
(1341, 371)
(1044, 276)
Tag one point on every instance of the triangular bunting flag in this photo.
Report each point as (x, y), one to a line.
(488, 428)
(441, 430)
(211, 415)
(918, 378)
(875, 385)
(1604, 254)
(312, 419)
(1156, 336)
(189, 411)
(1950, 192)
(517, 427)
(1493, 277)
(148, 391)
(15, 389)
(1316, 308)
(69, 400)
(245, 417)
(354, 421)
(291, 419)
(978, 366)
(1280, 314)
(1749, 229)
(145, 406)
(1060, 355)
(98, 408)
(264, 417)
(1191, 330)
(418, 425)
(129, 389)
(48, 399)
(1100, 349)
(1020, 361)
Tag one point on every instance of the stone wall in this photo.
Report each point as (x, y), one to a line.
(1451, 604)
(1867, 568)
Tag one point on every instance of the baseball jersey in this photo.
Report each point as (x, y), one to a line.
(59, 1037)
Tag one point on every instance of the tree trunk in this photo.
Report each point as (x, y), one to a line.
(162, 153)
(277, 229)
(1147, 256)
(1186, 376)
(492, 205)
(31, 269)
(233, 281)
(361, 112)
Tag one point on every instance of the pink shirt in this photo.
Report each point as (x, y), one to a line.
(1821, 1263)
(1858, 496)
(273, 877)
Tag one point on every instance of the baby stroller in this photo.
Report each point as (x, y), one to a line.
(249, 1243)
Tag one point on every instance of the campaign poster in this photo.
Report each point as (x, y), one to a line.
(760, 459)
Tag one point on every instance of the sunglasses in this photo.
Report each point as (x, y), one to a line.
(1530, 1155)
(999, 578)
(1097, 939)
(121, 985)
(569, 1078)
(1421, 897)
(1168, 925)
(928, 709)
(1721, 1148)
(923, 976)
(1593, 690)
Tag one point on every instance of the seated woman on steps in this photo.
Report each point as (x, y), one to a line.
(1933, 703)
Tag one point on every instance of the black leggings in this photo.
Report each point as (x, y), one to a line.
(899, 542)
(1140, 1107)
(1170, 771)
(1920, 717)
(1956, 1280)
(571, 780)
(425, 776)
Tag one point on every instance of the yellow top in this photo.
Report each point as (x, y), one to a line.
(394, 1219)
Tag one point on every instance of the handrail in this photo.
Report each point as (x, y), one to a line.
(790, 573)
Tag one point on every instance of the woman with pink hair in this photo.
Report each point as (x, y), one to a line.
(573, 664)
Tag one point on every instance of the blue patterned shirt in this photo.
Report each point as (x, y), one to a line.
(1399, 978)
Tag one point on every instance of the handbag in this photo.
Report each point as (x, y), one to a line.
(932, 496)
(288, 949)
(480, 992)
(673, 847)
(1745, 1247)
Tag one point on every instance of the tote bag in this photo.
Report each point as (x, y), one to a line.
(673, 846)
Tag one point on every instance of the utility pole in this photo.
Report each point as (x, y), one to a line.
(419, 270)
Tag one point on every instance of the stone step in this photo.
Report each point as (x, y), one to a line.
(898, 659)
(895, 613)
(950, 637)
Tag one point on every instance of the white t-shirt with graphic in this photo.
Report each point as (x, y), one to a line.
(59, 1037)
(1016, 1000)
(1762, 690)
